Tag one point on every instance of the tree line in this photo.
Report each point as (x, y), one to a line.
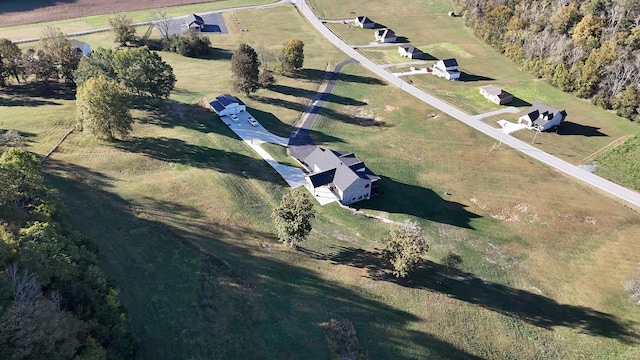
(587, 47)
(56, 302)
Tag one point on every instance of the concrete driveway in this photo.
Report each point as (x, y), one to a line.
(256, 135)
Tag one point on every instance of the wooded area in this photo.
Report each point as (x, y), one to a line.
(587, 47)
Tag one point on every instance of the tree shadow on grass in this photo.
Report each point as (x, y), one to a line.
(23, 101)
(400, 198)
(316, 75)
(180, 152)
(48, 91)
(571, 128)
(240, 296)
(217, 54)
(308, 94)
(171, 114)
(534, 309)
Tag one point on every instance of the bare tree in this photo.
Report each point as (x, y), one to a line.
(162, 21)
(25, 285)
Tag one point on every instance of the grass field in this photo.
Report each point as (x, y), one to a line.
(181, 214)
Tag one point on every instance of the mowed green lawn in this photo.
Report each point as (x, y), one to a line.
(426, 24)
(181, 213)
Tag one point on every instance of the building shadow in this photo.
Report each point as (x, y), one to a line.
(400, 198)
(571, 128)
(532, 308)
(402, 40)
(427, 57)
(518, 102)
(211, 28)
(466, 77)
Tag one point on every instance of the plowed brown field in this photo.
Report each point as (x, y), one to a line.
(17, 12)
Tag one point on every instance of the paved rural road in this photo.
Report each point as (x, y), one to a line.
(604, 185)
(301, 136)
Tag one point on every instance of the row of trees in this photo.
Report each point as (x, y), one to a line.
(245, 66)
(588, 47)
(405, 245)
(56, 59)
(57, 301)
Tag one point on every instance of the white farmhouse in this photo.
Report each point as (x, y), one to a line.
(447, 69)
(541, 117)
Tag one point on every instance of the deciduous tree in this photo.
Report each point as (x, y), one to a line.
(405, 247)
(10, 55)
(22, 185)
(292, 218)
(103, 108)
(293, 55)
(144, 73)
(245, 69)
(99, 63)
(123, 28)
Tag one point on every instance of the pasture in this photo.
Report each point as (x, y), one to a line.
(181, 214)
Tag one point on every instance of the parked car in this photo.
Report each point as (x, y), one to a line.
(252, 121)
(233, 117)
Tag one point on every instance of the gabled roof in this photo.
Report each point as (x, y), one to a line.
(217, 107)
(410, 49)
(495, 91)
(364, 20)
(450, 62)
(228, 99)
(541, 108)
(346, 167)
(193, 18)
(385, 33)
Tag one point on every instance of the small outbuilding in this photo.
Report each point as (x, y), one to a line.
(385, 35)
(226, 104)
(410, 51)
(447, 68)
(82, 47)
(364, 22)
(541, 117)
(194, 21)
(496, 94)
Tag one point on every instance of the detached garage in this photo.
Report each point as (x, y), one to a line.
(226, 104)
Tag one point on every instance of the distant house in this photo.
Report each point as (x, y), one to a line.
(194, 21)
(410, 51)
(82, 47)
(364, 22)
(225, 105)
(447, 69)
(385, 35)
(541, 117)
(342, 172)
(496, 94)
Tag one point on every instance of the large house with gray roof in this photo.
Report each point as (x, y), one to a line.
(342, 172)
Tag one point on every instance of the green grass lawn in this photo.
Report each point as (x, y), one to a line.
(181, 214)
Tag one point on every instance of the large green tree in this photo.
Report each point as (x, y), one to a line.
(21, 184)
(103, 108)
(99, 63)
(404, 247)
(245, 68)
(293, 55)
(144, 73)
(64, 55)
(10, 55)
(292, 218)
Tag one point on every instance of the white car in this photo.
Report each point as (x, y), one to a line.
(252, 121)
(233, 117)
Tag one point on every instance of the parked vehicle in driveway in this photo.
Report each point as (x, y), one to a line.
(233, 117)
(252, 121)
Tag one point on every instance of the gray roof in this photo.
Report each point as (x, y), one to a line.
(496, 91)
(538, 109)
(386, 33)
(193, 18)
(346, 166)
(410, 49)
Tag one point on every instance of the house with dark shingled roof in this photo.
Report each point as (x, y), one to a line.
(342, 172)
